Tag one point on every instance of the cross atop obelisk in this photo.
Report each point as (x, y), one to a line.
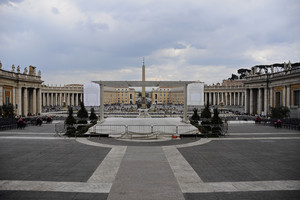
(143, 88)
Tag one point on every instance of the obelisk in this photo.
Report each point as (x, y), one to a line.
(143, 88)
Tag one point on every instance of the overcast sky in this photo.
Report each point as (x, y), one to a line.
(77, 41)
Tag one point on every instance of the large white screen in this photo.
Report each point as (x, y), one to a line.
(91, 94)
(195, 94)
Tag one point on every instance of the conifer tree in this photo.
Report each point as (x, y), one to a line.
(70, 119)
(216, 119)
(206, 112)
(82, 114)
(93, 115)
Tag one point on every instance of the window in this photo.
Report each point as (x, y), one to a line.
(296, 99)
(277, 99)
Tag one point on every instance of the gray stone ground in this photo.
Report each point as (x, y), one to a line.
(254, 162)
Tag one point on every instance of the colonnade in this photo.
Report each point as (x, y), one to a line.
(61, 99)
(28, 101)
(227, 98)
(259, 100)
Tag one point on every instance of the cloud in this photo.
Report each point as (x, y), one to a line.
(274, 54)
(180, 39)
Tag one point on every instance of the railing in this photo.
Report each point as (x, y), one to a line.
(60, 129)
(8, 127)
(109, 129)
(144, 129)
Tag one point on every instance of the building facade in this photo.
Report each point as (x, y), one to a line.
(266, 87)
(262, 87)
(66, 95)
(72, 95)
(22, 89)
(229, 93)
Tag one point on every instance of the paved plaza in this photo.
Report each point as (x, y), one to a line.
(253, 162)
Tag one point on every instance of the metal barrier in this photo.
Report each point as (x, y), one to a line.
(8, 127)
(166, 129)
(140, 129)
(144, 129)
(60, 129)
(187, 129)
(109, 129)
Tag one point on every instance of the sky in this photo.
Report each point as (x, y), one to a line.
(78, 41)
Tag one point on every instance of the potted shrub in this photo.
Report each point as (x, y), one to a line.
(216, 120)
(69, 122)
(93, 117)
(82, 114)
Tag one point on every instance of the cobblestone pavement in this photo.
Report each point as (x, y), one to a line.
(253, 162)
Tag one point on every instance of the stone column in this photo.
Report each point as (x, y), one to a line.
(185, 103)
(214, 100)
(19, 100)
(288, 95)
(1, 95)
(234, 98)
(73, 98)
(48, 99)
(34, 101)
(259, 101)
(43, 98)
(230, 98)
(76, 99)
(25, 102)
(266, 101)
(101, 103)
(14, 97)
(55, 99)
(205, 98)
(251, 101)
(271, 97)
(226, 99)
(243, 96)
(283, 96)
(246, 101)
(68, 98)
(39, 101)
(222, 96)
(59, 99)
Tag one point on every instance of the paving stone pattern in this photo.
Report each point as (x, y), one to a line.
(34, 195)
(48, 160)
(258, 128)
(36, 165)
(145, 174)
(269, 195)
(250, 160)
